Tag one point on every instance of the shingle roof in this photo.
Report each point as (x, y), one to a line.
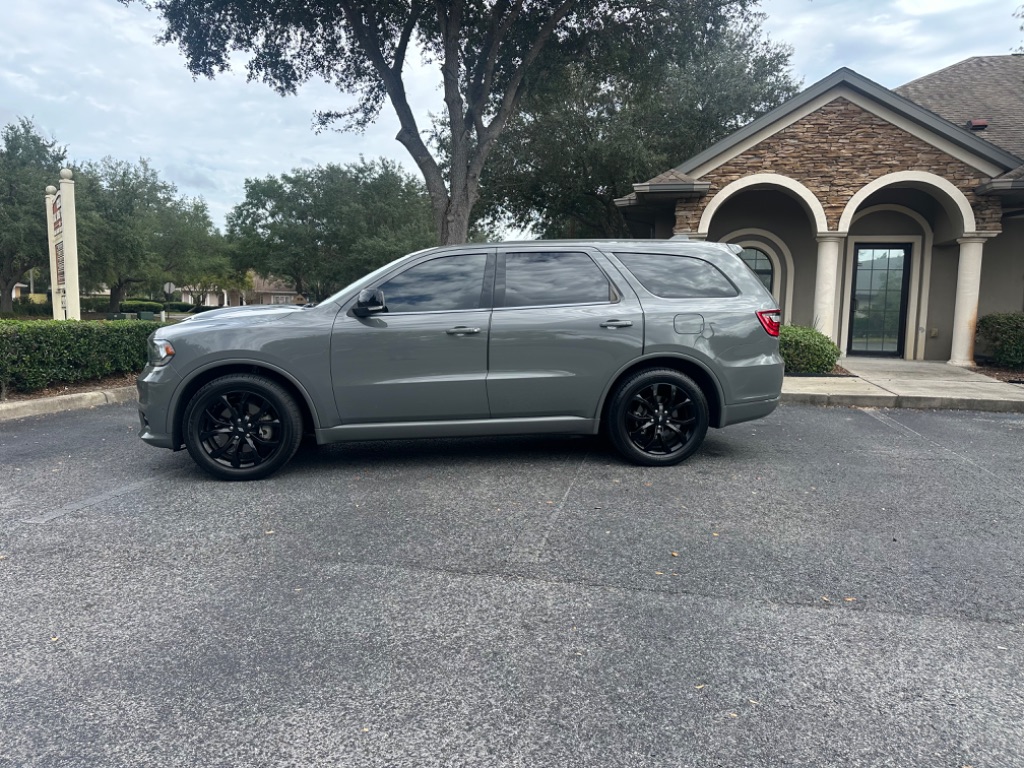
(670, 176)
(984, 87)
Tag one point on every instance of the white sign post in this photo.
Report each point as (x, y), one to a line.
(63, 240)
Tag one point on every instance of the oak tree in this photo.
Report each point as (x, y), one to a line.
(488, 53)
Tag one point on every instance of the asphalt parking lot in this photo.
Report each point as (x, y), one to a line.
(827, 587)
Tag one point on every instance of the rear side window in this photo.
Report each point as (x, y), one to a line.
(547, 279)
(677, 277)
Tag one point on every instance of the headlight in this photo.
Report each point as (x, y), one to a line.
(160, 351)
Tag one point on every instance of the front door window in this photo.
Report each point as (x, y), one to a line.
(878, 315)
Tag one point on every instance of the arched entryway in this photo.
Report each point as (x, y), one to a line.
(909, 270)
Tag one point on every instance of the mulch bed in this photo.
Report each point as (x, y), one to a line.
(93, 385)
(1009, 375)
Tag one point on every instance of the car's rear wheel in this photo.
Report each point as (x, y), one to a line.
(242, 427)
(657, 417)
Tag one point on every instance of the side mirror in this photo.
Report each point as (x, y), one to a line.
(369, 302)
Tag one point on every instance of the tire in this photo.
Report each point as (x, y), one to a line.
(657, 417)
(242, 427)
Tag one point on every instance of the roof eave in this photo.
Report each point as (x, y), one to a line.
(1000, 187)
(663, 194)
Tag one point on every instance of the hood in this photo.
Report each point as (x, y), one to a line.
(254, 312)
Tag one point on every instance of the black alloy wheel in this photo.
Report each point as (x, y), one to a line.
(242, 427)
(658, 417)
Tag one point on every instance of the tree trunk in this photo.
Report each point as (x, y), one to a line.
(453, 221)
(116, 297)
(6, 289)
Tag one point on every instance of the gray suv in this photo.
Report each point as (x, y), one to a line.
(651, 341)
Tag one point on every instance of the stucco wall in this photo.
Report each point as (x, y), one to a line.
(941, 300)
(1002, 271)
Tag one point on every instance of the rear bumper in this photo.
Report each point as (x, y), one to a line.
(740, 412)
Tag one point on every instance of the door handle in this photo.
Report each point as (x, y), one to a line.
(616, 323)
(462, 330)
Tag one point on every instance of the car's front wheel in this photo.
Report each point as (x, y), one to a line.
(242, 427)
(657, 417)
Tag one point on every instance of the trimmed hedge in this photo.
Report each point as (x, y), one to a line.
(94, 303)
(1004, 334)
(807, 350)
(138, 305)
(38, 353)
(178, 306)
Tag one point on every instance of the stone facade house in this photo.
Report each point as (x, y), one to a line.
(889, 219)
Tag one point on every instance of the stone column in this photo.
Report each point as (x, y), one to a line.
(965, 310)
(826, 281)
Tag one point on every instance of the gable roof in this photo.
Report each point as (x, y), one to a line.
(860, 84)
(983, 87)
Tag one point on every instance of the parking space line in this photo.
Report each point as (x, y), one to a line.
(899, 427)
(77, 506)
(531, 543)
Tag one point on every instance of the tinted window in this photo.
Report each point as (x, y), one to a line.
(677, 277)
(540, 279)
(444, 284)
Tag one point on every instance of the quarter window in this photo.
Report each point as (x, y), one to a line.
(545, 279)
(677, 277)
(440, 285)
(761, 266)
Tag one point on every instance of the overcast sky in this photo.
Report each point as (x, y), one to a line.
(89, 73)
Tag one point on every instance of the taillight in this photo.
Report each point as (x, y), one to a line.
(770, 320)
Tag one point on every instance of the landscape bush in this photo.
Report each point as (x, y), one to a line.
(94, 303)
(807, 350)
(141, 305)
(1003, 333)
(25, 307)
(178, 306)
(35, 354)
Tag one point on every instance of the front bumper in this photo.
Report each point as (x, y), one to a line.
(156, 386)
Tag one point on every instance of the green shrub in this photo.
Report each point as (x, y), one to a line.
(25, 307)
(38, 353)
(807, 350)
(138, 305)
(94, 303)
(1004, 335)
(178, 306)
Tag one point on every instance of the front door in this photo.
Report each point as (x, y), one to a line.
(878, 314)
(425, 358)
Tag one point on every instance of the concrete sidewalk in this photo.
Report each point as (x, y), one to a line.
(893, 383)
(876, 383)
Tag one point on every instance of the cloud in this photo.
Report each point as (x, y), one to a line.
(890, 41)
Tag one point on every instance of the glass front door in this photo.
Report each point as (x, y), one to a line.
(878, 316)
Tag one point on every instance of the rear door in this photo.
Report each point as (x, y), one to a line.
(560, 329)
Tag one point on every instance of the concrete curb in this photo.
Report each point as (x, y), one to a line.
(918, 402)
(19, 409)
